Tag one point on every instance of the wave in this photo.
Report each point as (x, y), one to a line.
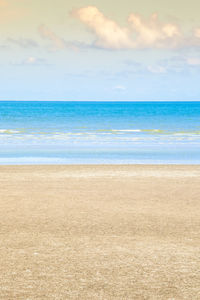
(126, 130)
(9, 131)
(153, 131)
(99, 132)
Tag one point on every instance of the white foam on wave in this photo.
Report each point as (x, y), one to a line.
(9, 131)
(126, 130)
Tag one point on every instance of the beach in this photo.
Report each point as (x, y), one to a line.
(100, 232)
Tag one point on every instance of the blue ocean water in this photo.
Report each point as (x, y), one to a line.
(99, 132)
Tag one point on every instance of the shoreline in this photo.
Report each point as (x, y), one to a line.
(101, 165)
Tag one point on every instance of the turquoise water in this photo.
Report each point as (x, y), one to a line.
(99, 132)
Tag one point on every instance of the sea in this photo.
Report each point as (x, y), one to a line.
(52, 132)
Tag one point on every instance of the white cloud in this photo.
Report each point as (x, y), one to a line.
(119, 88)
(152, 32)
(193, 61)
(197, 33)
(32, 61)
(157, 69)
(139, 32)
(109, 34)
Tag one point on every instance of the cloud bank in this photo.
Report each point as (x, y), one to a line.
(109, 34)
(139, 32)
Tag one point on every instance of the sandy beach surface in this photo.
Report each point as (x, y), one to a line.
(100, 232)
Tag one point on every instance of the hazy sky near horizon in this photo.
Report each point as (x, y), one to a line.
(99, 50)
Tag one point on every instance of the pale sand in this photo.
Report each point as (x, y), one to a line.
(100, 232)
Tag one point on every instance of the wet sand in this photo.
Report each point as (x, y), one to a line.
(100, 232)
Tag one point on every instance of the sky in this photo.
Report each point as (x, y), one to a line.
(100, 50)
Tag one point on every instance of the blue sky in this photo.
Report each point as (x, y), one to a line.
(99, 50)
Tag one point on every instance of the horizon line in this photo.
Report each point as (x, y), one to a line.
(36, 100)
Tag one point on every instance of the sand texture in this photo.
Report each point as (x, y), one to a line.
(99, 232)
